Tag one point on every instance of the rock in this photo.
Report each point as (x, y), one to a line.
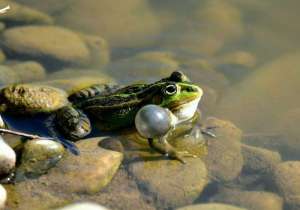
(148, 66)
(20, 14)
(29, 71)
(224, 160)
(251, 200)
(2, 27)
(2, 56)
(7, 158)
(247, 104)
(99, 50)
(289, 144)
(38, 157)
(286, 179)
(83, 205)
(236, 65)
(8, 76)
(3, 197)
(212, 24)
(203, 72)
(169, 181)
(104, 18)
(211, 206)
(89, 172)
(34, 42)
(2, 123)
(259, 160)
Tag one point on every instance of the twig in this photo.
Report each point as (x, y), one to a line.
(27, 135)
(5, 9)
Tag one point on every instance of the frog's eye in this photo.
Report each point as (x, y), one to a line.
(170, 89)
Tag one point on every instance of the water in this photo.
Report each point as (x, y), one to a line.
(243, 54)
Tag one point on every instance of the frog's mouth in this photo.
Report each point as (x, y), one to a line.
(186, 110)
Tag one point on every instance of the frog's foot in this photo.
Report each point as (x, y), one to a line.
(207, 131)
(168, 150)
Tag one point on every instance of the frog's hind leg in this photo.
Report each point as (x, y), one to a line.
(72, 123)
(164, 147)
(92, 91)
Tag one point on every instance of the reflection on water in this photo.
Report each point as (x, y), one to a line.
(243, 53)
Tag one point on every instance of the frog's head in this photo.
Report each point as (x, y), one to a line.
(179, 95)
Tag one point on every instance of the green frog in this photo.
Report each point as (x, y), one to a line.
(110, 107)
(114, 108)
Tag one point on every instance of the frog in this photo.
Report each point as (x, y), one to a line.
(109, 107)
(114, 108)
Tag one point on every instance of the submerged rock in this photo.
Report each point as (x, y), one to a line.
(211, 206)
(29, 71)
(89, 172)
(169, 181)
(259, 160)
(256, 103)
(7, 158)
(2, 55)
(20, 14)
(224, 159)
(286, 179)
(34, 42)
(148, 66)
(130, 24)
(8, 76)
(99, 50)
(3, 197)
(38, 157)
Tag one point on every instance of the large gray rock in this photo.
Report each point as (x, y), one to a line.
(34, 41)
(259, 160)
(169, 181)
(257, 103)
(211, 206)
(224, 159)
(20, 14)
(286, 178)
(252, 200)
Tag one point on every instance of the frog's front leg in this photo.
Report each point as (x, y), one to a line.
(164, 147)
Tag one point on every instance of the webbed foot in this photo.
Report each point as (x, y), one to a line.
(168, 150)
(207, 131)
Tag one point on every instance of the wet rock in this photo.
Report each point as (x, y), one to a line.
(2, 56)
(252, 200)
(289, 141)
(224, 159)
(7, 158)
(169, 181)
(286, 179)
(236, 65)
(147, 66)
(2, 124)
(3, 197)
(99, 50)
(247, 104)
(8, 76)
(29, 71)
(259, 160)
(211, 206)
(2, 27)
(213, 24)
(20, 14)
(141, 27)
(38, 157)
(202, 71)
(89, 172)
(34, 42)
(84, 205)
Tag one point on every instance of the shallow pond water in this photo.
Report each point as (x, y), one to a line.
(243, 54)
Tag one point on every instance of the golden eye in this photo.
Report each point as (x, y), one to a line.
(170, 89)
